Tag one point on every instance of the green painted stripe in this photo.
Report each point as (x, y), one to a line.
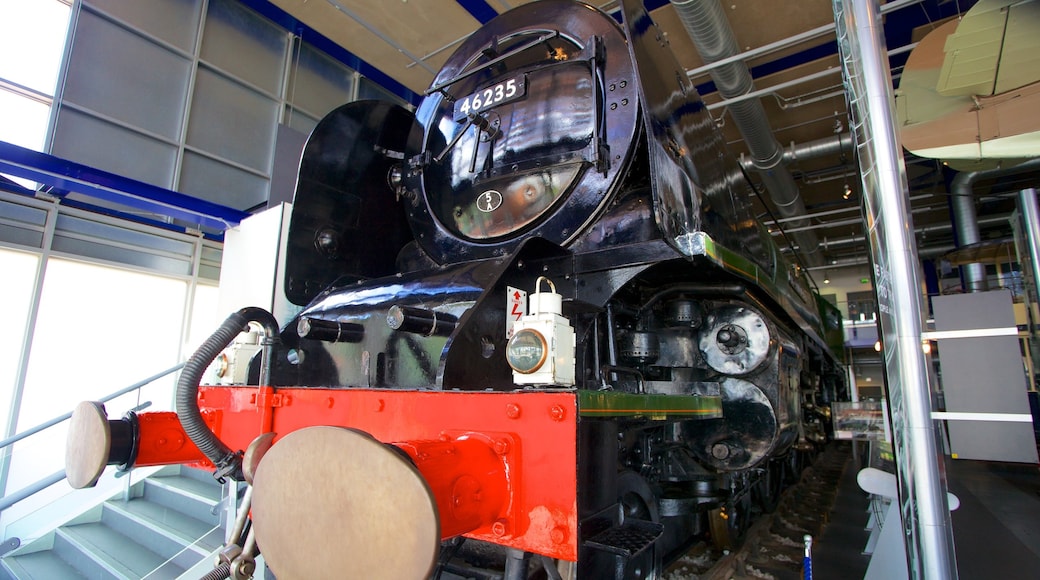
(656, 406)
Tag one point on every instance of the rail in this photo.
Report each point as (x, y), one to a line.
(34, 488)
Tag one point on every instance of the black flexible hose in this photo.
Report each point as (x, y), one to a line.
(188, 384)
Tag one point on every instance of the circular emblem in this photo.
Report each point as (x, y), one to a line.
(489, 201)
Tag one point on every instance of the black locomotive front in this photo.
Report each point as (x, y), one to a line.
(557, 142)
(556, 146)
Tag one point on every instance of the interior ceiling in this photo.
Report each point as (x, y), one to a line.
(408, 40)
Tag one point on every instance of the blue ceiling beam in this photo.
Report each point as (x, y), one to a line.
(69, 176)
(479, 9)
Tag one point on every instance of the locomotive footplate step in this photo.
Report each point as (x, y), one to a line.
(628, 539)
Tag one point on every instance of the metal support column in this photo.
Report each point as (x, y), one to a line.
(924, 510)
(1029, 208)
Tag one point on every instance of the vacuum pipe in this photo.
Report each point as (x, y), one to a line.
(225, 460)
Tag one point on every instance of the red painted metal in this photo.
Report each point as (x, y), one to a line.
(518, 447)
(162, 441)
(467, 477)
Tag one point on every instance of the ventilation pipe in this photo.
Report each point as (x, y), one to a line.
(840, 144)
(965, 221)
(706, 24)
(929, 229)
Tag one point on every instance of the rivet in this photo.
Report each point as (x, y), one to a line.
(557, 413)
(501, 446)
(558, 535)
(499, 527)
(513, 411)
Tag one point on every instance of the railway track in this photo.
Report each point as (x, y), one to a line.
(773, 546)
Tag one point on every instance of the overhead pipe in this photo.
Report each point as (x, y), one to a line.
(850, 209)
(834, 145)
(709, 29)
(929, 229)
(965, 220)
(928, 252)
(818, 32)
(772, 89)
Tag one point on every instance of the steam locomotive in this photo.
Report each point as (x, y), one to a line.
(540, 328)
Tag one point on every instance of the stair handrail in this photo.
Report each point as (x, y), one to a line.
(31, 489)
(34, 488)
(48, 424)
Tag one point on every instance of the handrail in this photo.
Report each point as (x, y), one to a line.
(45, 425)
(30, 490)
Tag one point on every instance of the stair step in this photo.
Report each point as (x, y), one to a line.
(198, 474)
(172, 523)
(44, 565)
(151, 535)
(169, 525)
(105, 553)
(187, 495)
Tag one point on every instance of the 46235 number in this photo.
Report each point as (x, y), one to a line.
(504, 92)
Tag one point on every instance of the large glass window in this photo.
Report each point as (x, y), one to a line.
(97, 324)
(98, 329)
(30, 57)
(25, 120)
(33, 42)
(19, 270)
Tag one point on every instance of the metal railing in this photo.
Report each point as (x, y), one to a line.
(34, 488)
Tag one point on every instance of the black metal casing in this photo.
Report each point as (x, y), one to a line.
(596, 165)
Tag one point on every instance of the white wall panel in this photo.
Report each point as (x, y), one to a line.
(123, 75)
(221, 183)
(241, 42)
(319, 84)
(173, 21)
(98, 143)
(232, 121)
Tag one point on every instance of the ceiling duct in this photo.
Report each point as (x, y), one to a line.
(840, 144)
(706, 24)
(964, 216)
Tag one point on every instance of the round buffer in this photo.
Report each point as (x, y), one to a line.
(88, 445)
(330, 502)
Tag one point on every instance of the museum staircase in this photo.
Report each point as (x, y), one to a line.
(165, 526)
(151, 522)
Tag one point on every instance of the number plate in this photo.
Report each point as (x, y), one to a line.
(506, 91)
